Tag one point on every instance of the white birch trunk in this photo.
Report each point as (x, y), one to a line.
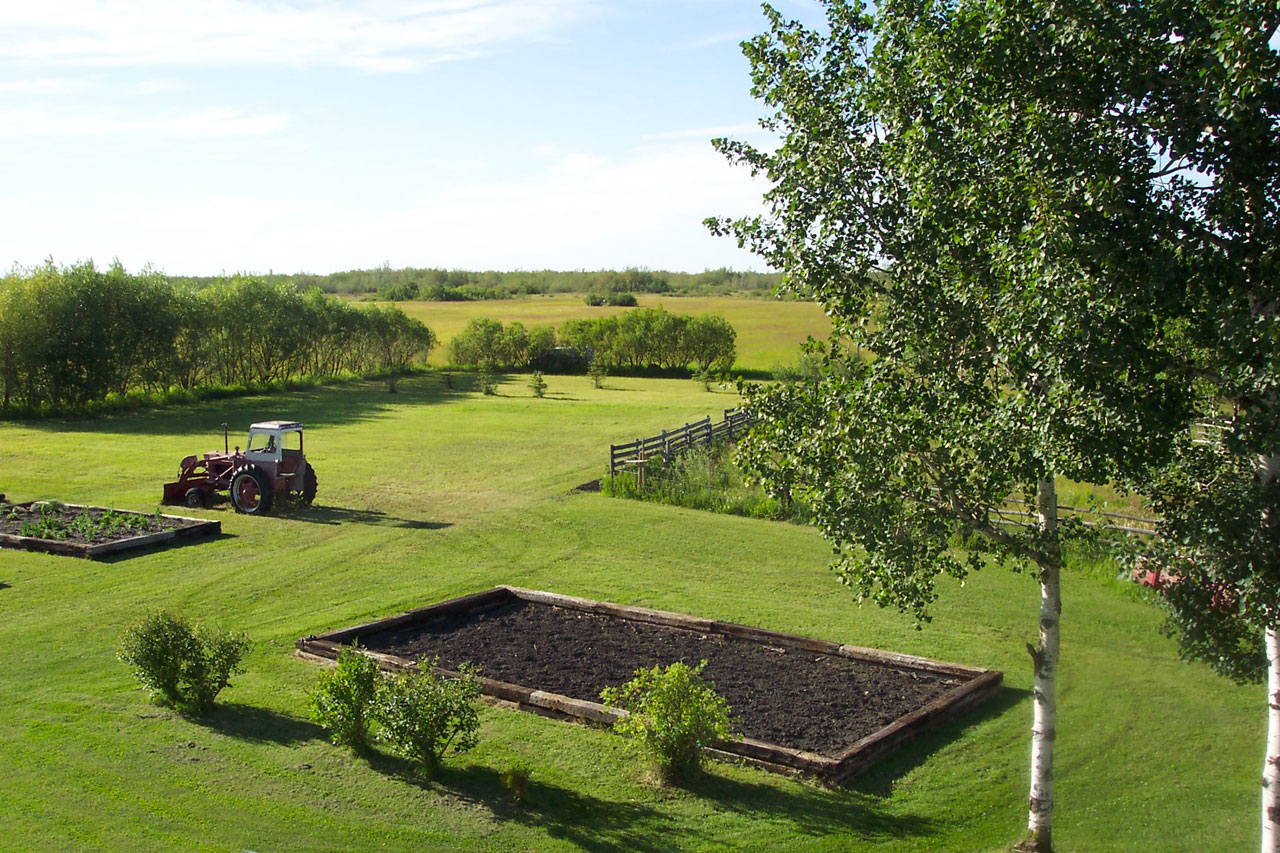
(1271, 765)
(1045, 724)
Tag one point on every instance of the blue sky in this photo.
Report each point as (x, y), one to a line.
(247, 135)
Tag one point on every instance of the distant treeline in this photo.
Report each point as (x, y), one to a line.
(638, 340)
(440, 285)
(74, 337)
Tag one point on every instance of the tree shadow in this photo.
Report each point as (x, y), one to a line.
(586, 822)
(812, 809)
(342, 515)
(340, 403)
(248, 722)
(170, 545)
(879, 779)
(592, 823)
(4, 585)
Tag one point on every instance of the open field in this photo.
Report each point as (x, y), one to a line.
(769, 331)
(430, 493)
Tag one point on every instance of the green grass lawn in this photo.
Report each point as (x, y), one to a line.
(769, 331)
(427, 494)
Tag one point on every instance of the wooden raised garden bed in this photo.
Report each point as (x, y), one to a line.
(803, 705)
(99, 537)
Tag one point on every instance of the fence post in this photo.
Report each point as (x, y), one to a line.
(666, 449)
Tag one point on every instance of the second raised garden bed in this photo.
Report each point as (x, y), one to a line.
(803, 705)
(92, 531)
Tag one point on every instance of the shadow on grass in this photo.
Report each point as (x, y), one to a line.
(339, 403)
(343, 515)
(812, 810)
(586, 822)
(171, 545)
(4, 585)
(879, 779)
(592, 823)
(248, 722)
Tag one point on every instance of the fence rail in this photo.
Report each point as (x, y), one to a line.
(669, 443)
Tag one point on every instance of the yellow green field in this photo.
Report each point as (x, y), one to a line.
(769, 331)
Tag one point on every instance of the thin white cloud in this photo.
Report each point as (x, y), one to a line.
(68, 123)
(371, 35)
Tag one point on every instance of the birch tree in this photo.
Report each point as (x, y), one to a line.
(1003, 207)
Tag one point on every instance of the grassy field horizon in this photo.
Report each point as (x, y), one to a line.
(431, 493)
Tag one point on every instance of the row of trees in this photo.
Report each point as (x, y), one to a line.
(635, 340)
(461, 285)
(1057, 227)
(69, 337)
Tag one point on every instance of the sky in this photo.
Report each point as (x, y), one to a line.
(226, 136)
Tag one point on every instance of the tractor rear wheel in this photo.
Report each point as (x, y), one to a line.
(251, 490)
(309, 486)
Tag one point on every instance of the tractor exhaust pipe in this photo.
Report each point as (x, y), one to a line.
(225, 445)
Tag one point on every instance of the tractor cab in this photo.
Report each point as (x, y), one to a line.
(274, 442)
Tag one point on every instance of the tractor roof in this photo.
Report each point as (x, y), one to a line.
(280, 425)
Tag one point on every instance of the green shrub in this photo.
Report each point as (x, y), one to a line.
(423, 714)
(537, 384)
(343, 700)
(672, 714)
(182, 665)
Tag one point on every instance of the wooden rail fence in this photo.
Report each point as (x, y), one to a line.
(669, 443)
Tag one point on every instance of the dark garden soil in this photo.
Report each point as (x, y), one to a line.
(78, 525)
(788, 697)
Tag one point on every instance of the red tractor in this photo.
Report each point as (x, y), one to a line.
(271, 465)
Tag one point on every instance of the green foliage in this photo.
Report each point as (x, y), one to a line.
(182, 665)
(649, 338)
(441, 285)
(344, 697)
(509, 347)
(704, 478)
(423, 714)
(673, 712)
(53, 520)
(1014, 286)
(616, 300)
(72, 338)
(537, 384)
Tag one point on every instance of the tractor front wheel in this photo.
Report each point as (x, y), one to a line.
(251, 490)
(194, 498)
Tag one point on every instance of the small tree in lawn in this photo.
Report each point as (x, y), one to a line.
(994, 202)
(538, 385)
(598, 372)
(343, 700)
